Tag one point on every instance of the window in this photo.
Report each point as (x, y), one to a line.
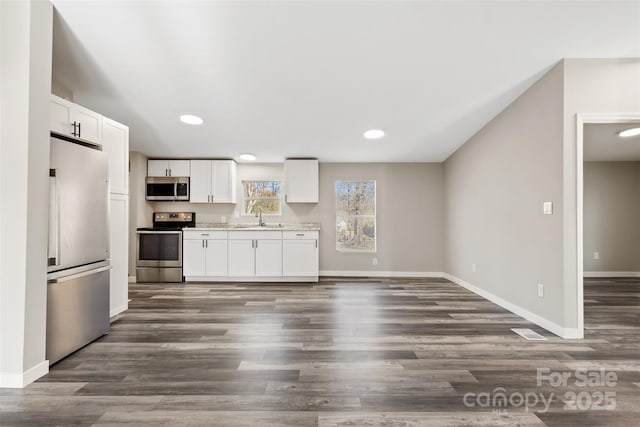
(261, 196)
(356, 216)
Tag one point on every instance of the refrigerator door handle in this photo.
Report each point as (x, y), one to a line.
(54, 220)
(79, 275)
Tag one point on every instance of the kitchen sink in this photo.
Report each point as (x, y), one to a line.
(241, 226)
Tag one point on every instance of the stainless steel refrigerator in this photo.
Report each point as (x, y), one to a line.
(78, 265)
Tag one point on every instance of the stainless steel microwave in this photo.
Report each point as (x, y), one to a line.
(167, 188)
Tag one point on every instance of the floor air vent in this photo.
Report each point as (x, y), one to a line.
(528, 334)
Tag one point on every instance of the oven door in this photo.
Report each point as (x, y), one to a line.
(159, 249)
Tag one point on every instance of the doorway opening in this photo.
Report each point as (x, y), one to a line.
(607, 174)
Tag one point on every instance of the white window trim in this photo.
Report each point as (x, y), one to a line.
(244, 199)
(374, 216)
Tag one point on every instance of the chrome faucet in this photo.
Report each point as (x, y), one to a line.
(259, 216)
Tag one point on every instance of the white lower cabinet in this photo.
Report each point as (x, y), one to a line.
(242, 258)
(119, 253)
(300, 253)
(255, 253)
(204, 254)
(268, 258)
(250, 255)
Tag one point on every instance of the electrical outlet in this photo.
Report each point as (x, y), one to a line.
(223, 219)
(596, 255)
(547, 208)
(541, 290)
(375, 261)
(473, 268)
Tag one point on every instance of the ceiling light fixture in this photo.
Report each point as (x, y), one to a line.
(629, 132)
(248, 157)
(190, 119)
(374, 134)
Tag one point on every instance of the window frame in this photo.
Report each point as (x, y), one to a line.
(374, 216)
(244, 199)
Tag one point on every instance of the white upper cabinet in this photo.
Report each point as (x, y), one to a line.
(74, 120)
(223, 173)
(200, 183)
(115, 142)
(179, 167)
(169, 168)
(301, 181)
(213, 181)
(60, 118)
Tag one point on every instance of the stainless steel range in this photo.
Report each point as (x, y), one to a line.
(159, 248)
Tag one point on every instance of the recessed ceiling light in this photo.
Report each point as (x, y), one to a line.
(248, 157)
(374, 134)
(190, 119)
(629, 132)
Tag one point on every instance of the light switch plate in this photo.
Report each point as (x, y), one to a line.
(547, 208)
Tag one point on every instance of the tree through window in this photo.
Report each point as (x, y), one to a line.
(261, 196)
(356, 216)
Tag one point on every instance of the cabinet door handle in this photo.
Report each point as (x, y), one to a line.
(79, 130)
(74, 124)
(203, 243)
(206, 243)
(300, 234)
(316, 243)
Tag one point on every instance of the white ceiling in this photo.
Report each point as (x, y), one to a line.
(602, 143)
(306, 78)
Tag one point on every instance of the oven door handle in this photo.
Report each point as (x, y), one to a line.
(158, 232)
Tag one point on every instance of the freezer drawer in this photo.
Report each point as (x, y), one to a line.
(77, 311)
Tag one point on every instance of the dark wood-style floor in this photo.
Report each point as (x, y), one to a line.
(337, 353)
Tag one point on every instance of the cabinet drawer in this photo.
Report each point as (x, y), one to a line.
(204, 234)
(300, 235)
(255, 235)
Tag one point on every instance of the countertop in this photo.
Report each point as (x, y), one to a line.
(255, 227)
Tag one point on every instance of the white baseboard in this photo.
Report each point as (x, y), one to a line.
(234, 279)
(118, 310)
(132, 279)
(567, 333)
(26, 378)
(611, 274)
(351, 273)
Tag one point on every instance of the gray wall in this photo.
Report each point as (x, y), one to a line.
(410, 221)
(495, 186)
(612, 216)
